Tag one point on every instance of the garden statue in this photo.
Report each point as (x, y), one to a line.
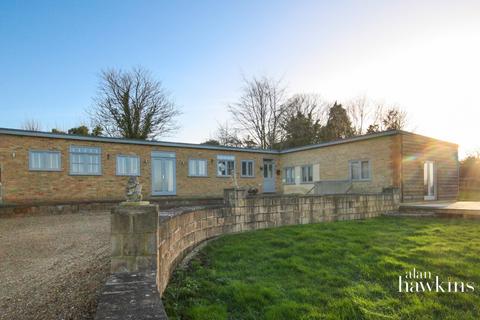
(133, 190)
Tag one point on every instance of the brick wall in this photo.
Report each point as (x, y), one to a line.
(332, 163)
(180, 230)
(23, 186)
(416, 150)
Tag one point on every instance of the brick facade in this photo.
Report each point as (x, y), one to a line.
(332, 163)
(395, 161)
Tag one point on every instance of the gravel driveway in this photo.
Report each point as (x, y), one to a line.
(52, 267)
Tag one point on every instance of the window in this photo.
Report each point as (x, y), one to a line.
(307, 174)
(128, 165)
(247, 168)
(289, 175)
(44, 160)
(360, 170)
(225, 165)
(197, 167)
(85, 161)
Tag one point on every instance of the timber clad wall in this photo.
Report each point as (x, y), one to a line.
(416, 150)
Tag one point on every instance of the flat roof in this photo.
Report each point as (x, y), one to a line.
(41, 134)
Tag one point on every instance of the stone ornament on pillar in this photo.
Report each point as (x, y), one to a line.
(133, 193)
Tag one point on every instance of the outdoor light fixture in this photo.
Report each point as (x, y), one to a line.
(13, 154)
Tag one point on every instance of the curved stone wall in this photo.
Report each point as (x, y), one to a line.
(180, 230)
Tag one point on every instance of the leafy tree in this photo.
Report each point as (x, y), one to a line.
(373, 128)
(338, 124)
(131, 104)
(211, 142)
(55, 130)
(81, 131)
(391, 119)
(470, 167)
(301, 129)
(394, 119)
(97, 131)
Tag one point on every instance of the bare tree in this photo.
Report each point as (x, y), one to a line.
(31, 125)
(359, 110)
(228, 136)
(132, 104)
(306, 104)
(260, 110)
(388, 118)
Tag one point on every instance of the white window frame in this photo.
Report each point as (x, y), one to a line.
(285, 175)
(44, 152)
(99, 154)
(253, 169)
(226, 159)
(127, 173)
(359, 162)
(307, 166)
(196, 162)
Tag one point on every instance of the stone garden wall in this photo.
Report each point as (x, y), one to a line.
(180, 230)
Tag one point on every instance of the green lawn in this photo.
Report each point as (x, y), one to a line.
(338, 270)
(469, 195)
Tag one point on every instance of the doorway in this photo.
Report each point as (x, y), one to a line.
(163, 173)
(268, 176)
(429, 180)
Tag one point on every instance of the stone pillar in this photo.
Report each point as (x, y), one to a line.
(234, 197)
(134, 238)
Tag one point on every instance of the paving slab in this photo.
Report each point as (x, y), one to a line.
(130, 295)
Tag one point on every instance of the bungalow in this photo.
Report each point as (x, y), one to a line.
(40, 167)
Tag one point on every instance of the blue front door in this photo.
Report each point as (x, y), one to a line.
(163, 173)
(268, 176)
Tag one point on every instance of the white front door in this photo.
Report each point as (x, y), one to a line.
(429, 180)
(163, 173)
(268, 176)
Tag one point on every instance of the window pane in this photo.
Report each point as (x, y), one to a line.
(85, 160)
(126, 165)
(45, 160)
(365, 170)
(355, 170)
(197, 167)
(221, 169)
(231, 166)
(307, 174)
(202, 167)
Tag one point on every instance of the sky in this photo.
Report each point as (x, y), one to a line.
(423, 56)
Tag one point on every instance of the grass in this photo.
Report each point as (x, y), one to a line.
(340, 270)
(469, 195)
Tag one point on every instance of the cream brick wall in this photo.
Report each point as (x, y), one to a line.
(23, 186)
(332, 163)
(19, 185)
